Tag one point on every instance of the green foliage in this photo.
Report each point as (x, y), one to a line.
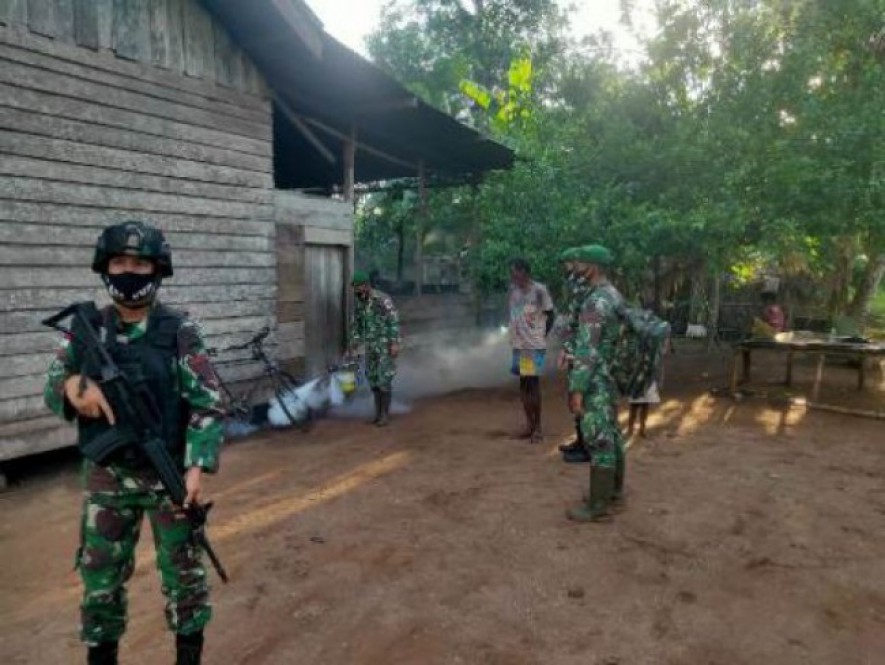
(751, 139)
(505, 108)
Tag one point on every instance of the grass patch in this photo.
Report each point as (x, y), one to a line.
(879, 304)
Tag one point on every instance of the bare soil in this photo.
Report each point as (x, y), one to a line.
(754, 533)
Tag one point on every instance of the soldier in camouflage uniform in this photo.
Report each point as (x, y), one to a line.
(592, 386)
(375, 325)
(567, 329)
(165, 349)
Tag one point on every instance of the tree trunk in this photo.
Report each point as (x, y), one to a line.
(656, 298)
(841, 283)
(713, 319)
(869, 287)
(695, 305)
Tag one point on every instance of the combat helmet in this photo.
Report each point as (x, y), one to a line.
(137, 239)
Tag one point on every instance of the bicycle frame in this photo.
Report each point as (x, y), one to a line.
(241, 404)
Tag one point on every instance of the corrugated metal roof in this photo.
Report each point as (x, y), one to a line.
(333, 91)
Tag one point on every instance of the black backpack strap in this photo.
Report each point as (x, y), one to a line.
(110, 327)
(163, 326)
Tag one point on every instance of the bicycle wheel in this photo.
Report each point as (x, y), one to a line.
(286, 383)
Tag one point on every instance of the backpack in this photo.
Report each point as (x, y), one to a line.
(640, 351)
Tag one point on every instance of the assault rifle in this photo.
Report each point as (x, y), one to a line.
(138, 425)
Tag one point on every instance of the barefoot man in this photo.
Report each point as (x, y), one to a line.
(531, 319)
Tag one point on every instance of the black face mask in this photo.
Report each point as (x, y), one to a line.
(131, 289)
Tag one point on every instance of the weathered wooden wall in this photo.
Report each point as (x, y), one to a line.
(178, 36)
(290, 295)
(116, 109)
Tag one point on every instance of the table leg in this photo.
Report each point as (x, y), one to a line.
(815, 392)
(734, 372)
(788, 381)
(861, 372)
(746, 374)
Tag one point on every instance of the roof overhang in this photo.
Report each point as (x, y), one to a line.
(327, 96)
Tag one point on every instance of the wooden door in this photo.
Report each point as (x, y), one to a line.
(326, 301)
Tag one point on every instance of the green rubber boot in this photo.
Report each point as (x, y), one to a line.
(618, 498)
(602, 487)
(377, 395)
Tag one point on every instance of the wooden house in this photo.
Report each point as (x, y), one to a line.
(215, 121)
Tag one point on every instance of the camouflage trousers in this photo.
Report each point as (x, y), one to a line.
(599, 424)
(111, 524)
(380, 369)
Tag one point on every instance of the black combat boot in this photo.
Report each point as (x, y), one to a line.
(188, 648)
(576, 455)
(103, 653)
(386, 399)
(578, 444)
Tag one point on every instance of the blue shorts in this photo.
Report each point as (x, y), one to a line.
(528, 362)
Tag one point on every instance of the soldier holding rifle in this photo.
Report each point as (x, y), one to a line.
(136, 377)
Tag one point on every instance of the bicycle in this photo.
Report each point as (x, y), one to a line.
(281, 383)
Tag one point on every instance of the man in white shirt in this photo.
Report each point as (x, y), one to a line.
(531, 319)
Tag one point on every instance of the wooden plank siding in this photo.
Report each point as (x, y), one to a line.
(119, 109)
(290, 294)
(176, 35)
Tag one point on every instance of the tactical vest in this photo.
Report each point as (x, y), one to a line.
(150, 361)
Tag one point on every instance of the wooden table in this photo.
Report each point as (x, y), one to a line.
(815, 347)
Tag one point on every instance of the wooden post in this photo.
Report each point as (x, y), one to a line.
(475, 240)
(349, 269)
(349, 195)
(747, 358)
(734, 371)
(419, 228)
(349, 163)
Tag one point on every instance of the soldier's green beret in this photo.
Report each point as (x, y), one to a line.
(360, 278)
(568, 254)
(596, 254)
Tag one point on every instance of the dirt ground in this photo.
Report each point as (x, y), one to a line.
(753, 534)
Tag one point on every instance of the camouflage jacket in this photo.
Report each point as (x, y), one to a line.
(567, 328)
(375, 323)
(597, 339)
(197, 381)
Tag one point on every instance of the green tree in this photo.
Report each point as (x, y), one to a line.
(751, 137)
(433, 46)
